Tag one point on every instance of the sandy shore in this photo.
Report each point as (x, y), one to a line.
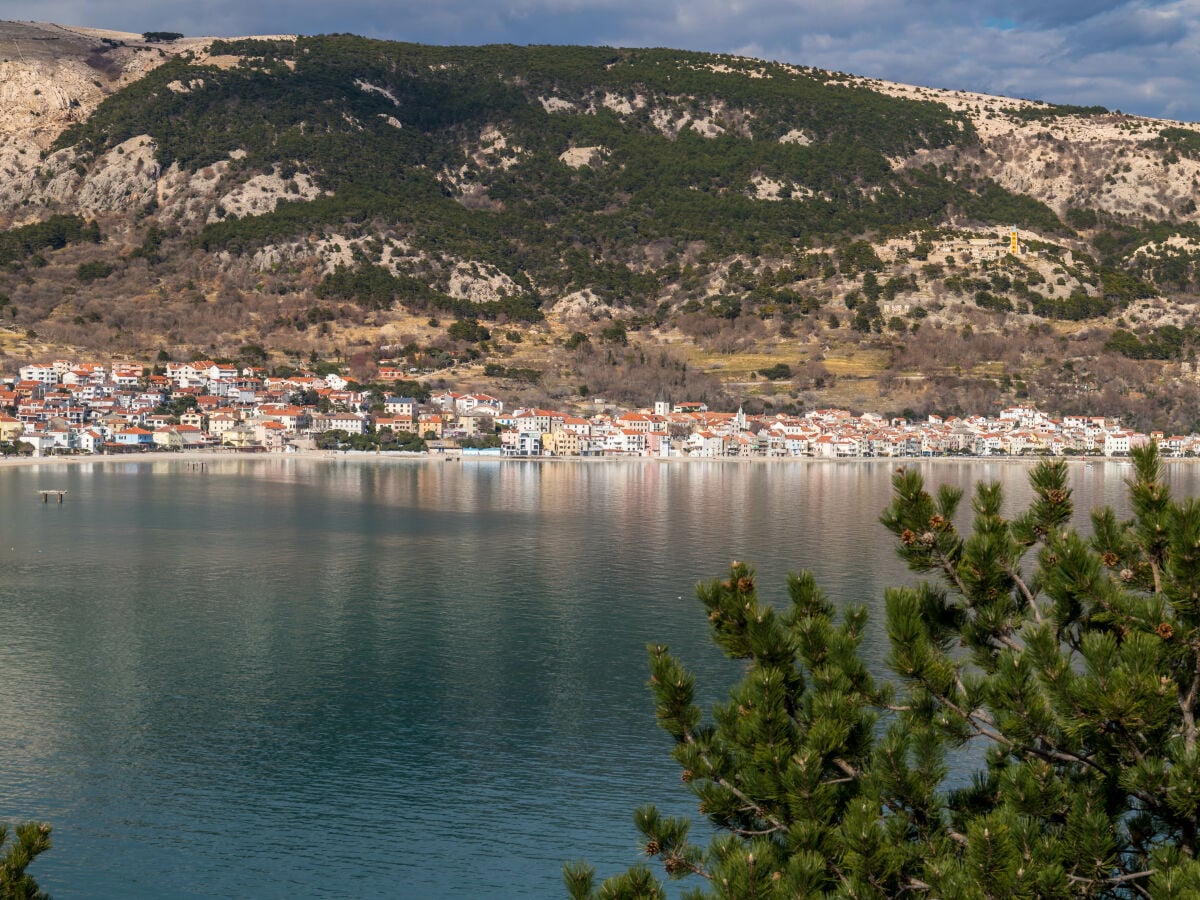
(219, 456)
(157, 456)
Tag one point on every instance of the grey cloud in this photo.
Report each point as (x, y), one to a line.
(1036, 13)
(1138, 55)
(1130, 27)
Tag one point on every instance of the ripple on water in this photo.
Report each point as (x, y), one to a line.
(296, 678)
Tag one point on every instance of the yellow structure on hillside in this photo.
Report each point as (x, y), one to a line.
(1014, 246)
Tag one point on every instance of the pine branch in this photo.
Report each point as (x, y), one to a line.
(951, 572)
(1114, 880)
(1025, 592)
(1187, 704)
(984, 726)
(675, 862)
(749, 805)
(1131, 743)
(1004, 638)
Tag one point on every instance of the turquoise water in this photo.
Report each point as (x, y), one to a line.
(356, 678)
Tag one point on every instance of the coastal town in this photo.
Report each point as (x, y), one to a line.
(65, 407)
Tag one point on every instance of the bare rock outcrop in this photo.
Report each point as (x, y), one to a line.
(52, 77)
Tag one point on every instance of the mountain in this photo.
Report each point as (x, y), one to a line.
(562, 223)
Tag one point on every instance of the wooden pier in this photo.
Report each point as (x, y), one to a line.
(46, 495)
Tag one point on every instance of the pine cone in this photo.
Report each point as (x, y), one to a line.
(907, 537)
(1165, 630)
(653, 848)
(1109, 558)
(745, 584)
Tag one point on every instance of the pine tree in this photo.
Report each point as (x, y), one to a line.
(1075, 661)
(29, 841)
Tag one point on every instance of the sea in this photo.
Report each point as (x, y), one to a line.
(367, 677)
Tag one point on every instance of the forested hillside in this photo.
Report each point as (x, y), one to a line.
(562, 223)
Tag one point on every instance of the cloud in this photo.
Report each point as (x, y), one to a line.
(1136, 55)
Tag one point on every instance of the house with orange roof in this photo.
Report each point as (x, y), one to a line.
(561, 442)
(467, 402)
(86, 374)
(351, 423)
(167, 438)
(825, 447)
(521, 443)
(85, 393)
(643, 422)
(444, 399)
(33, 411)
(133, 437)
(576, 424)
(473, 423)
(271, 435)
(430, 423)
(294, 418)
(659, 443)
(39, 373)
(626, 442)
(391, 373)
(240, 437)
(537, 420)
(402, 407)
(219, 423)
(10, 428)
(705, 444)
(221, 372)
(396, 424)
(29, 389)
(89, 440)
(192, 436)
(989, 442)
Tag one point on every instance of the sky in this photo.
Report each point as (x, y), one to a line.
(1138, 56)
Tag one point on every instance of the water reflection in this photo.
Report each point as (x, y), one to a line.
(444, 660)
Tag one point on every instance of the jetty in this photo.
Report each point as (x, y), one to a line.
(46, 495)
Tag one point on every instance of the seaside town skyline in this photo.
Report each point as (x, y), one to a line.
(68, 407)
